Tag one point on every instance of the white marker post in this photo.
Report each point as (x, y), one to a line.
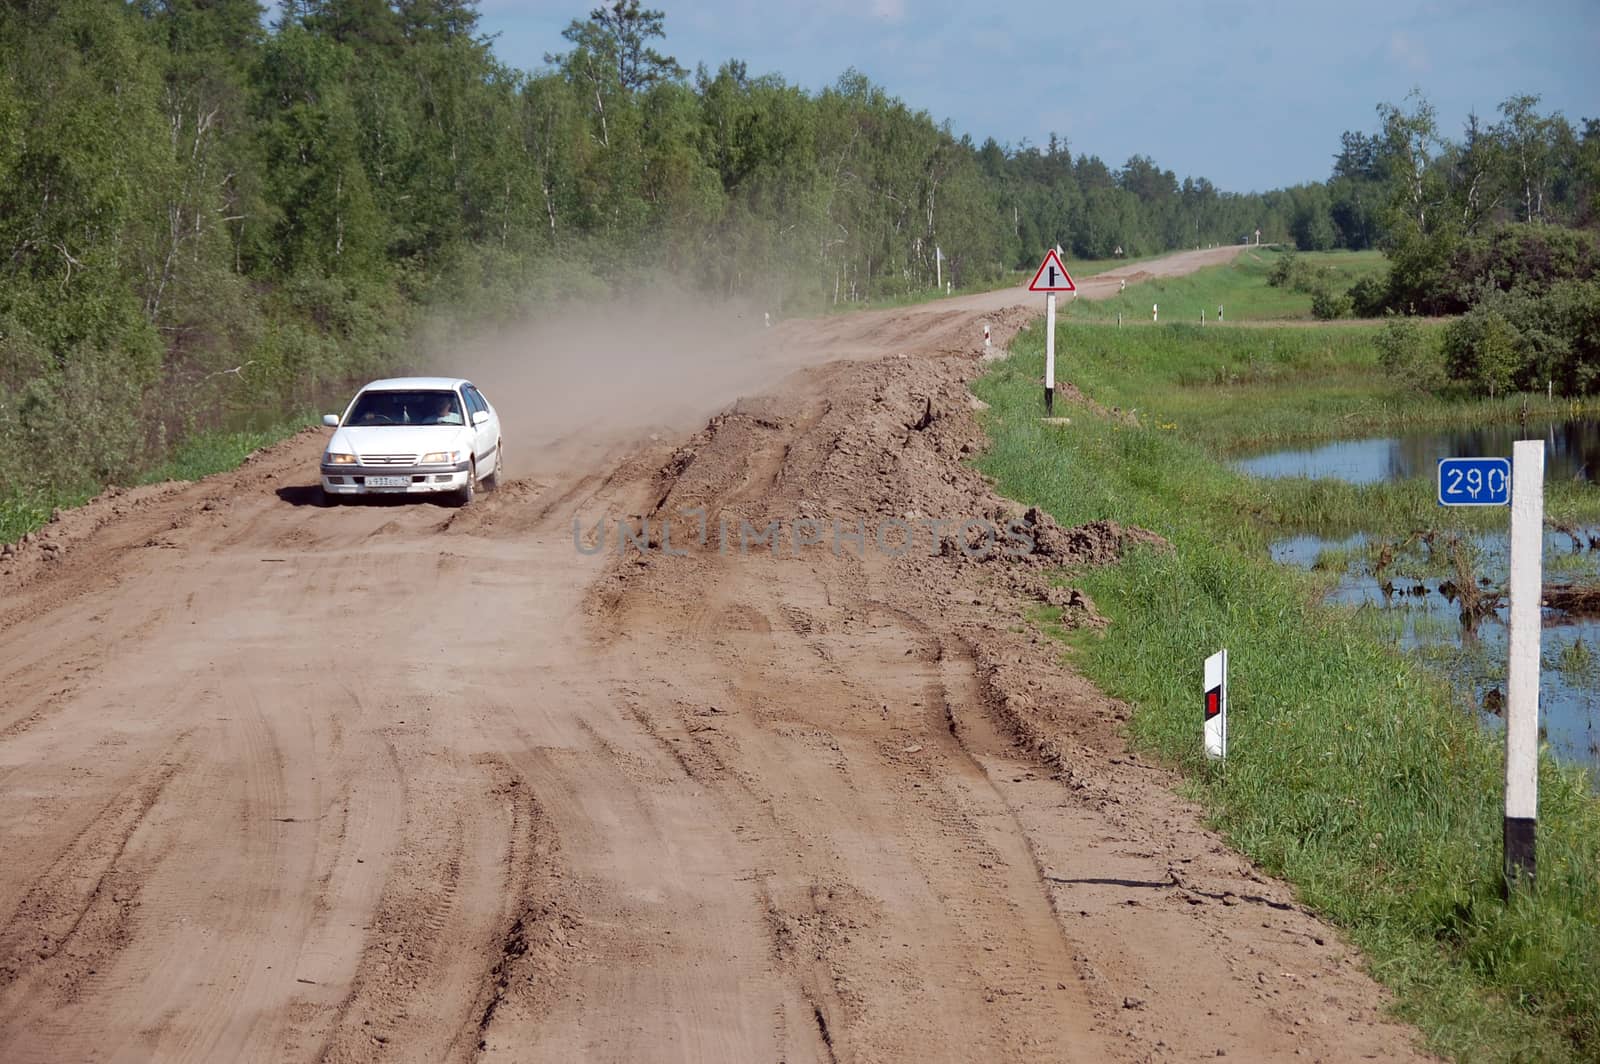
(1155, 311)
(1522, 681)
(938, 267)
(1216, 706)
(986, 336)
(1050, 354)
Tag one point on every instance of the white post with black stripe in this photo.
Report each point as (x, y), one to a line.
(1522, 679)
(1050, 354)
(1216, 706)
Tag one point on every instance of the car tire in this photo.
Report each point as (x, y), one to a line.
(464, 496)
(326, 498)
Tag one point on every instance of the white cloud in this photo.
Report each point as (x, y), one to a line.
(1409, 52)
(888, 10)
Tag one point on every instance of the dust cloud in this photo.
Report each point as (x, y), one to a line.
(583, 382)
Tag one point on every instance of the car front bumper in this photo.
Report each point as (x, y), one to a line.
(420, 480)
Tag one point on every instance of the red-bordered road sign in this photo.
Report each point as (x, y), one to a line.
(1052, 276)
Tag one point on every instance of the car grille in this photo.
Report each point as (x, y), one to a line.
(389, 459)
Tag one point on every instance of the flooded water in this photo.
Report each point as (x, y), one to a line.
(1422, 614)
(1571, 450)
(1414, 601)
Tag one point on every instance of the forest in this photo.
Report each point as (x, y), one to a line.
(1498, 229)
(208, 215)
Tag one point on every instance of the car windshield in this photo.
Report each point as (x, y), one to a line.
(406, 408)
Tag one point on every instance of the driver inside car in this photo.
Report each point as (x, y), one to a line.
(445, 412)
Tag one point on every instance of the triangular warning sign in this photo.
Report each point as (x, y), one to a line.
(1052, 276)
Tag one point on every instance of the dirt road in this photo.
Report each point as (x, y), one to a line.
(403, 782)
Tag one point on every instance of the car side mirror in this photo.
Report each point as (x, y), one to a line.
(331, 420)
(480, 416)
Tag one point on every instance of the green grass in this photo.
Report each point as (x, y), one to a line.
(23, 512)
(200, 456)
(216, 452)
(1351, 772)
(1575, 659)
(1240, 288)
(1229, 390)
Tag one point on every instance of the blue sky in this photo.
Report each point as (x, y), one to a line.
(1251, 94)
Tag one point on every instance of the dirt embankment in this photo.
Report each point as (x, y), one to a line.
(412, 783)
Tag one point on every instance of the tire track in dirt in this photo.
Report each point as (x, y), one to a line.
(76, 913)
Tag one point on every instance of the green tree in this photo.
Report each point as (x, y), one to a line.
(620, 35)
(1525, 137)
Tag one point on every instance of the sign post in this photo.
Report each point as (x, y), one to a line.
(1522, 680)
(1216, 706)
(1051, 278)
(1050, 355)
(1518, 483)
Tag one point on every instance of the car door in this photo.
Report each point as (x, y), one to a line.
(493, 426)
(485, 437)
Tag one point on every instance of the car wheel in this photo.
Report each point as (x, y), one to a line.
(326, 498)
(464, 496)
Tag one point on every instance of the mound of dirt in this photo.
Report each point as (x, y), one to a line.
(1096, 543)
(866, 458)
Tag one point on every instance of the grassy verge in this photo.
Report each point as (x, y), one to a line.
(1228, 390)
(218, 452)
(1351, 772)
(1240, 288)
(23, 512)
(199, 456)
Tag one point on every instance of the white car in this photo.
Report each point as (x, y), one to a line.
(413, 436)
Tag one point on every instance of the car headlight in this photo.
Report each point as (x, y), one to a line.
(339, 459)
(440, 457)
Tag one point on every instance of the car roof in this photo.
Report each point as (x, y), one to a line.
(398, 384)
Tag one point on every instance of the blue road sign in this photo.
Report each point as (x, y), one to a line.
(1474, 481)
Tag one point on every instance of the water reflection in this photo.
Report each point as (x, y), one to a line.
(1572, 451)
(1419, 611)
(1420, 617)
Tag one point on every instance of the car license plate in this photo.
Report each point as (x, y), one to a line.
(388, 482)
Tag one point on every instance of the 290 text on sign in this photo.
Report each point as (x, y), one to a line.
(1474, 482)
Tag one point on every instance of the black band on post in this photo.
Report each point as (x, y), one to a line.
(1519, 835)
(1049, 402)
